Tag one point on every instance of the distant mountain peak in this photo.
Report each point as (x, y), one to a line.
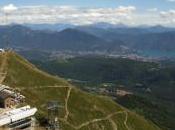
(105, 25)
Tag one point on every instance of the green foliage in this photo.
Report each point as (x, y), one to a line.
(89, 106)
(82, 107)
(94, 71)
(161, 114)
(22, 73)
(98, 70)
(140, 123)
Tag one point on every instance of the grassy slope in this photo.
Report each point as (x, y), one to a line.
(154, 110)
(160, 107)
(22, 73)
(84, 111)
(98, 70)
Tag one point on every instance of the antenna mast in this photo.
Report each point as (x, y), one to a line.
(52, 108)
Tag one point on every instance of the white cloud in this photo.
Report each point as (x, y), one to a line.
(152, 10)
(168, 16)
(171, 0)
(9, 8)
(126, 9)
(68, 14)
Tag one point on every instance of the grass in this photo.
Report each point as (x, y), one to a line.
(102, 125)
(82, 107)
(89, 106)
(159, 112)
(22, 74)
(135, 122)
(41, 96)
(119, 119)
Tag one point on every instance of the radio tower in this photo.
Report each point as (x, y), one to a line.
(52, 108)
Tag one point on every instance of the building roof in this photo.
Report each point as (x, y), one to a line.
(4, 95)
(2, 87)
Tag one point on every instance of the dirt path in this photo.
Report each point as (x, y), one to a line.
(97, 120)
(126, 119)
(66, 104)
(41, 87)
(114, 125)
(108, 117)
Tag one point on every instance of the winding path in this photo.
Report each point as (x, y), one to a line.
(126, 119)
(114, 125)
(108, 117)
(41, 87)
(66, 104)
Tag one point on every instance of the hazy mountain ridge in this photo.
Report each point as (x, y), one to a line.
(141, 38)
(116, 40)
(68, 39)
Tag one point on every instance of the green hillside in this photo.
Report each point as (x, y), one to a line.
(81, 111)
(93, 71)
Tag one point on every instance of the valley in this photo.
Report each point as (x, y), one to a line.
(95, 62)
(148, 85)
(81, 110)
(87, 65)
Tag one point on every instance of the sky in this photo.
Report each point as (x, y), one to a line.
(81, 12)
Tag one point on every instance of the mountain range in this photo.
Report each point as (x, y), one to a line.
(68, 39)
(109, 39)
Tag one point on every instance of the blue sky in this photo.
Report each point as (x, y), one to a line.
(130, 12)
(141, 4)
